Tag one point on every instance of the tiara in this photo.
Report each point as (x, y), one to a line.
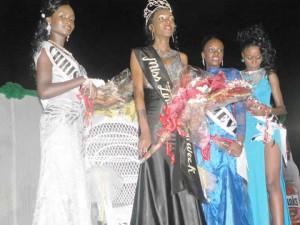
(154, 5)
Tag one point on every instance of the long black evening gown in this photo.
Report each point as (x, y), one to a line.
(155, 201)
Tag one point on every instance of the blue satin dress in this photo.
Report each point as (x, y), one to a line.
(257, 188)
(228, 201)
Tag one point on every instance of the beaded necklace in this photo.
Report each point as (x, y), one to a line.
(253, 77)
(61, 48)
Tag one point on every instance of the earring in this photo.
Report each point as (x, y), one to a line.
(48, 28)
(203, 62)
(242, 60)
(68, 38)
(222, 63)
(152, 35)
(173, 38)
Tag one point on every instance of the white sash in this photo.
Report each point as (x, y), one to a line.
(224, 119)
(227, 122)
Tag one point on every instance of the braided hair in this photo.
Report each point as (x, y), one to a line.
(256, 36)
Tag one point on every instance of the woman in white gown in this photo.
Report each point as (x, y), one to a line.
(62, 197)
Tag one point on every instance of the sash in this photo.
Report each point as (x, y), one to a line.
(65, 63)
(227, 122)
(274, 124)
(224, 119)
(155, 72)
(185, 166)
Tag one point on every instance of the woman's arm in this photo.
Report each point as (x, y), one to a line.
(279, 108)
(184, 59)
(137, 78)
(240, 116)
(46, 89)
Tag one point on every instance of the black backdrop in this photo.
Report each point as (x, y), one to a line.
(106, 30)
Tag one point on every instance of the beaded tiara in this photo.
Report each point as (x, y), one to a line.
(154, 5)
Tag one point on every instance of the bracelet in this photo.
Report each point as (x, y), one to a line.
(270, 110)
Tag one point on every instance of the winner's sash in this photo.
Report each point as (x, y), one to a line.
(185, 165)
(155, 72)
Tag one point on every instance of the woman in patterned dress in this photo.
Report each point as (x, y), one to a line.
(62, 196)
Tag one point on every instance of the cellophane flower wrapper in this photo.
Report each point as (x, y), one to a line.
(223, 143)
(119, 88)
(125, 85)
(198, 92)
(234, 91)
(195, 122)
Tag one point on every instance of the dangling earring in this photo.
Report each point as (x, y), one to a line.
(222, 63)
(242, 60)
(48, 28)
(203, 62)
(173, 38)
(68, 38)
(152, 35)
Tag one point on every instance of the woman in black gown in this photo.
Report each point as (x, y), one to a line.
(167, 193)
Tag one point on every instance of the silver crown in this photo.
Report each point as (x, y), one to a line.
(154, 5)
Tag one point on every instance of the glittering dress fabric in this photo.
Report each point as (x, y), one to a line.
(62, 197)
(228, 200)
(257, 188)
(155, 201)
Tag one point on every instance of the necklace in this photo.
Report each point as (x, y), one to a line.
(61, 48)
(254, 77)
(170, 53)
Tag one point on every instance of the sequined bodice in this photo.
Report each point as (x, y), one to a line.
(174, 69)
(253, 77)
(260, 83)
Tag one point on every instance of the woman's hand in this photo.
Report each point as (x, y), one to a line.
(235, 149)
(256, 108)
(144, 143)
(89, 89)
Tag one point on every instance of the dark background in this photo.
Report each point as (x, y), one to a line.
(106, 30)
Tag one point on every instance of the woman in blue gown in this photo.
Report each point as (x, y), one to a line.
(227, 201)
(263, 141)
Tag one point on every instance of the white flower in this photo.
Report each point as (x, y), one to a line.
(204, 89)
(98, 82)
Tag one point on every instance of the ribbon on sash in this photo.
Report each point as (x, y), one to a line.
(185, 164)
(272, 123)
(223, 118)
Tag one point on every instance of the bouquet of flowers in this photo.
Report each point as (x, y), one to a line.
(197, 93)
(111, 95)
(115, 92)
